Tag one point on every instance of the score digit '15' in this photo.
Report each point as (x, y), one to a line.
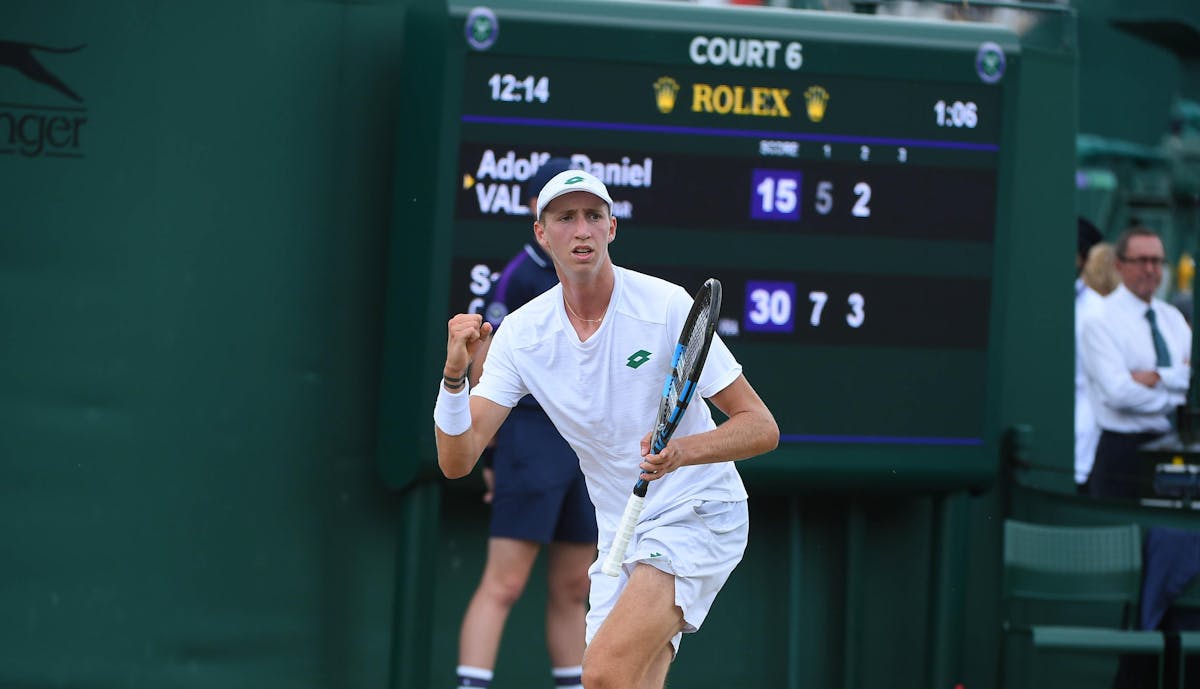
(775, 196)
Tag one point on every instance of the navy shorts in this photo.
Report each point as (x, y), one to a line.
(540, 494)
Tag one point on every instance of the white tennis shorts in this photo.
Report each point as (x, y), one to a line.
(699, 542)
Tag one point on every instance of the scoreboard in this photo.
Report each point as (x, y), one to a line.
(841, 176)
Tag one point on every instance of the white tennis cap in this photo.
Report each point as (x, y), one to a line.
(569, 181)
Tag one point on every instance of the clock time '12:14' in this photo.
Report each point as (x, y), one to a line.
(510, 89)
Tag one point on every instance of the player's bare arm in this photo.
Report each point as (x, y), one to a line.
(467, 341)
(750, 430)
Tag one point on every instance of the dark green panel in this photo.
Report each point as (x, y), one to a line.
(1033, 328)
(1113, 61)
(188, 355)
(415, 331)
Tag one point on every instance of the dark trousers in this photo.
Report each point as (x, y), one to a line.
(1118, 471)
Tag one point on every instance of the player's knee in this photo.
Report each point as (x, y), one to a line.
(590, 679)
(598, 675)
(606, 666)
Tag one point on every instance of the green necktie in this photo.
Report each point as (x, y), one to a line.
(1160, 345)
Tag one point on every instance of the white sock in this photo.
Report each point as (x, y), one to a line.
(568, 677)
(473, 677)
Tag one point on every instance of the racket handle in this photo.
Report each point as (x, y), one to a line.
(629, 520)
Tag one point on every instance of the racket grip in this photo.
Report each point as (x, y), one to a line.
(629, 519)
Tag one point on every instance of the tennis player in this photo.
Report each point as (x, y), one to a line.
(595, 351)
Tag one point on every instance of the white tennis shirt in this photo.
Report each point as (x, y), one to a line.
(603, 394)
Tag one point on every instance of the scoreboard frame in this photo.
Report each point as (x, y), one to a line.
(541, 82)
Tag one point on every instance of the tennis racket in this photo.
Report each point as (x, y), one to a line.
(686, 364)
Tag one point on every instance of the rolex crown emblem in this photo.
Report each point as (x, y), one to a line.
(815, 99)
(665, 90)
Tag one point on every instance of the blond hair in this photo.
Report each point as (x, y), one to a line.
(1100, 268)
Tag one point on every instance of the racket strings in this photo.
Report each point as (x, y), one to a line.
(692, 352)
(695, 345)
(688, 360)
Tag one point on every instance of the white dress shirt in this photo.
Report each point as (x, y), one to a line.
(1088, 303)
(1116, 342)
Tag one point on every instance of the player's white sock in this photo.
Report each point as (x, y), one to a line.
(473, 677)
(568, 677)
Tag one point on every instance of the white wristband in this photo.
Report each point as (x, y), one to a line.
(452, 412)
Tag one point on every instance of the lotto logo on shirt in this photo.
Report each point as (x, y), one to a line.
(638, 358)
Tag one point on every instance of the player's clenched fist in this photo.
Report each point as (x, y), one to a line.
(466, 335)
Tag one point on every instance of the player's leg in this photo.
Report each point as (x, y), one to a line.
(509, 562)
(677, 564)
(632, 648)
(656, 674)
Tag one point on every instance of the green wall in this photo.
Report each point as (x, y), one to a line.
(1126, 84)
(1136, 58)
(1139, 61)
(189, 346)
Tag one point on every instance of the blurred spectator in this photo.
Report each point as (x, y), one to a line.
(1136, 353)
(1100, 269)
(1087, 303)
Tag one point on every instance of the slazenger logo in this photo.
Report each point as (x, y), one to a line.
(35, 129)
